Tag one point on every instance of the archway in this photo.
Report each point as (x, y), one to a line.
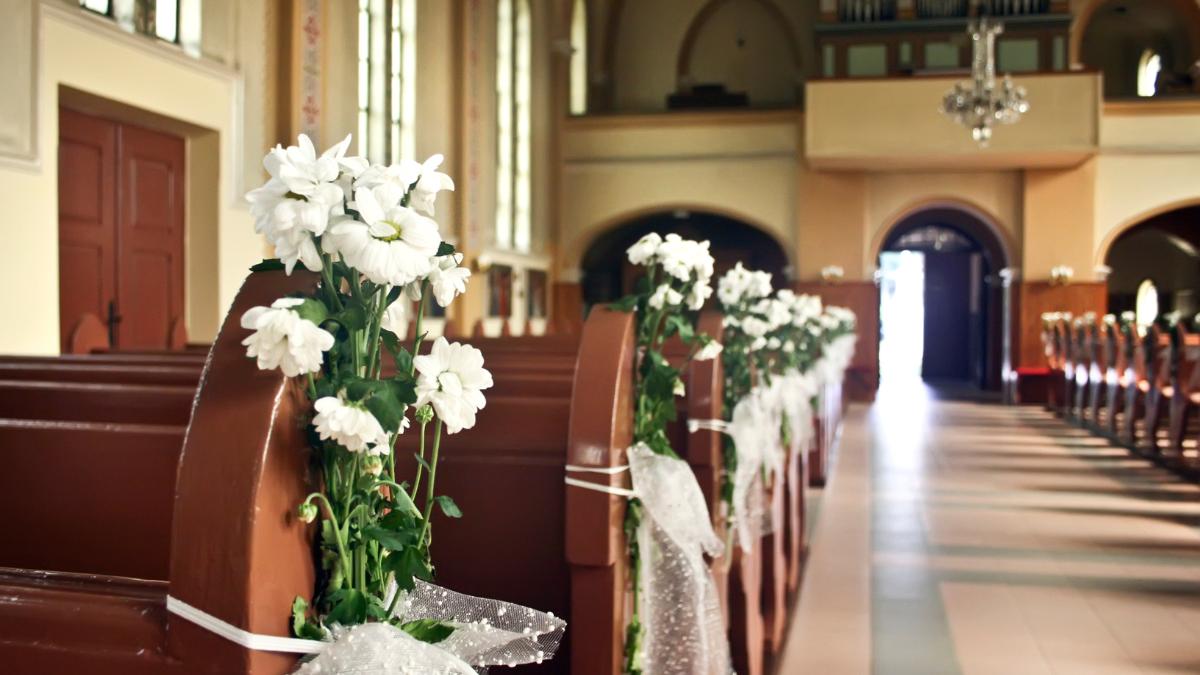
(1164, 249)
(942, 263)
(1154, 43)
(607, 274)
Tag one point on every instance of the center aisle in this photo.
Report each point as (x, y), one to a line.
(961, 537)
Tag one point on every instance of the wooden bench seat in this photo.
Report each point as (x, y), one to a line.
(101, 373)
(88, 497)
(169, 404)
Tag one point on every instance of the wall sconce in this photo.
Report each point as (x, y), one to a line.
(483, 263)
(1060, 275)
(832, 273)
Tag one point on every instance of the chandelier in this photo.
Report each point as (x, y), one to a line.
(979, 104)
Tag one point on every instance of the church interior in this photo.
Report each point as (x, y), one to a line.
(983, 216)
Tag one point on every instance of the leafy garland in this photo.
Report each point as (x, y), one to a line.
(665, 302)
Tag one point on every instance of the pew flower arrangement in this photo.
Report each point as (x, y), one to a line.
(740, 293)
(367, 230)
(676, 623)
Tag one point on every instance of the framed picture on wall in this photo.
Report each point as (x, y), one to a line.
(500, 291)
(536, 294)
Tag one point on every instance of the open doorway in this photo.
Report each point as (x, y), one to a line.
(941, 301)
(608, 275)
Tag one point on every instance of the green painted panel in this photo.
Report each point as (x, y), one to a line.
(866, 60)
(1017, 55)
(941, 55)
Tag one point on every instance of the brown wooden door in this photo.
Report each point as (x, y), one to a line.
(121, 200)
(87, 197)
(149, 237)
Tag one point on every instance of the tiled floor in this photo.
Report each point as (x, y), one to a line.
(962, 537)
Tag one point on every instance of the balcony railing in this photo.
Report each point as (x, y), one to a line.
(872, 11)
(941, 9)
(866, 11)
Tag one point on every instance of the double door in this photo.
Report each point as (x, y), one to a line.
(120, 228)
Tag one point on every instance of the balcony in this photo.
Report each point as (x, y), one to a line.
(894, 123)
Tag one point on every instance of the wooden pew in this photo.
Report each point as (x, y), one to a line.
(156, 404)
(1184, 422)
(1119, 377)
(1156, 388)
(1097, 373)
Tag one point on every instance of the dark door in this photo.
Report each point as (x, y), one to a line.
(87, 235)
(947, 316)
(121, 195)
(149, 237)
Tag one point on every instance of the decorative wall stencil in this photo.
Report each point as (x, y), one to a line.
(308, 69)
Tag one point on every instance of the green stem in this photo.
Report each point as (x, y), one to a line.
(420, 465)
(417, 330)
(327, 278)
(373, 359)
(312, 387)
(437, 442)
(337, 530)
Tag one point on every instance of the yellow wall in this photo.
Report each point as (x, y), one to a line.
(91, 55)
(1059, 213)
(739, 165)
(894, 123)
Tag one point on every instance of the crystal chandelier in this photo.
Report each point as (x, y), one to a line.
(980, 104)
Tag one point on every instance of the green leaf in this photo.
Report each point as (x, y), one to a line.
(427, 630)
(386, 408)
(625, 304)
(402, 503)
(312, 310)
(349, 608)
(403, 388)
(392, 540)
(301, 626)
(352, 317)
(268, 265)
(407, 565)
(448, 507)
(445, 248)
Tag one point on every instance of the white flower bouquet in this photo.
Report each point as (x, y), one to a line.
(368, 231)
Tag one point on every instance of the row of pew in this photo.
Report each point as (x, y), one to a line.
(133, 476)
(1138, 387)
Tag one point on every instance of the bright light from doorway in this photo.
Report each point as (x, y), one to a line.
(902, 316)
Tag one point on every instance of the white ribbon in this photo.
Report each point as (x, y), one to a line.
(241, 636)
(486, 632)
(599, 487)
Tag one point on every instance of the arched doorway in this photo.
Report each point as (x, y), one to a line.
(608, 275)
(1143, 47)
(1164, 249)
(941, 300)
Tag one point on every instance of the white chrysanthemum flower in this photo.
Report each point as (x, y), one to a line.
(392, 244)
(645, 249)
(452, 378)
(698, 293)
(665, 295)
(304, 173)
(755, 327)
(448, 278)
(680, 258)
(281, 339)
(429, 183)
(349, 425)
(421, 181)
(293, 226)
(395, 317)
(710, 351)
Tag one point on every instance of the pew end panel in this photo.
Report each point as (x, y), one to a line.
(237, 551)
(600, 431)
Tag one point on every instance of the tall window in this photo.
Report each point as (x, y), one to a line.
(387, 60)
(176, 21)
(1147, 74)
(514, 217)
(579, 53)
